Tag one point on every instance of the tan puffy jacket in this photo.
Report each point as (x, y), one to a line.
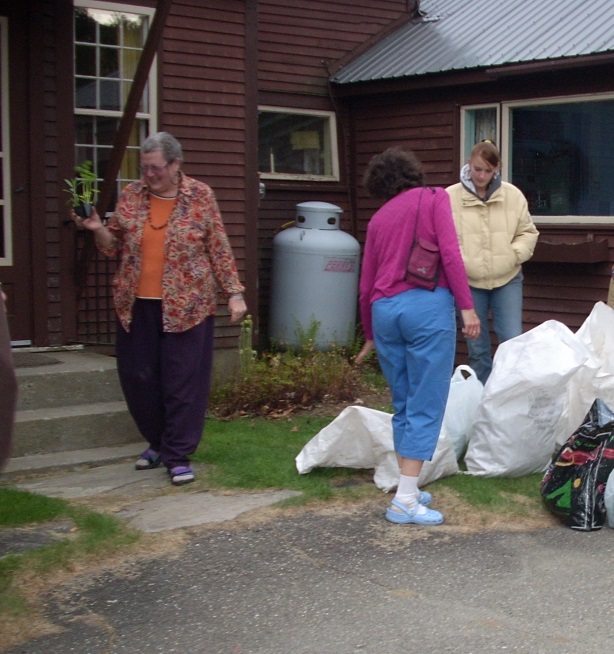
(495, 236)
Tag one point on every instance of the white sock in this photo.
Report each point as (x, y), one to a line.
(408, 493)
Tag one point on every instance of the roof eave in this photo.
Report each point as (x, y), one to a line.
(468, 76)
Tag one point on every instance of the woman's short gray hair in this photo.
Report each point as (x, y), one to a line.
(166, 143)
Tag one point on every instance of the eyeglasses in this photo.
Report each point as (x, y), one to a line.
(156, 170)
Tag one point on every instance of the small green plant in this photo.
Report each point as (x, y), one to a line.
(82, 188)
(247, 355)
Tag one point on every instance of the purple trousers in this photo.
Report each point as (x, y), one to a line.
(166, 379)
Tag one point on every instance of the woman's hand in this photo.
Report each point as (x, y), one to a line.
(366, 349)
(471, 323)
(93, 223)
(237, 308)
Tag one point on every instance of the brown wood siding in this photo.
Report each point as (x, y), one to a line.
(426, 127)
(202, 102)
(299, 41)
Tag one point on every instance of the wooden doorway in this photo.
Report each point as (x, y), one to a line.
(15, 220)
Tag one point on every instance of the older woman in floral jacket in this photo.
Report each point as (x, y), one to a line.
(174, 253)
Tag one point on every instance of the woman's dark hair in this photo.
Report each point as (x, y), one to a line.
(393, 171)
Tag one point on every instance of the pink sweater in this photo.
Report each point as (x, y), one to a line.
(389, 236)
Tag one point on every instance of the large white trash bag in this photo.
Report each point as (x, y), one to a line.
(597, 333)
(524, 410)
(362, 438)
(463, 401)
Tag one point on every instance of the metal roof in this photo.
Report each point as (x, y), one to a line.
(468, 34)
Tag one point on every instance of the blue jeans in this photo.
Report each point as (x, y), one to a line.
(415, 338)
(505, 306)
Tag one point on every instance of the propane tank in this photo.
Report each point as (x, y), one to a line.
(314, 279)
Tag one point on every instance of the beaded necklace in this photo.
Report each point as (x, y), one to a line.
(161, 197)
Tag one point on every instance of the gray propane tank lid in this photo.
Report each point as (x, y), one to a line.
(317, 215)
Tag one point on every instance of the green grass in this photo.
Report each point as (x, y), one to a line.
(94, 534)
(512, 495)
(259, 454)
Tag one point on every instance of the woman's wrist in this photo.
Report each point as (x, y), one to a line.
(236, 296)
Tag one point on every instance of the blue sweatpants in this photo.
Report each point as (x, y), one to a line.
(415, 339)
(165, 378)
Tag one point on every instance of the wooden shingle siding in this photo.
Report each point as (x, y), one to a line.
(202, 102)
(298, 42)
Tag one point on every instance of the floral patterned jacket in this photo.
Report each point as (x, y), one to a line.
(197, 255)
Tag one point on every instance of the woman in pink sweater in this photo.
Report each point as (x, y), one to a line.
(412, 329)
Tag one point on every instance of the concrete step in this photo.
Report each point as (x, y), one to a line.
(66, 378)
(58, 429)
(30, 464)
(72, 401)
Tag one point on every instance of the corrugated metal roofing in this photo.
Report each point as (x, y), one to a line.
(468, 34)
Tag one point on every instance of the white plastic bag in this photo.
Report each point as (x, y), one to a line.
(463, 401)
(608, 499)
(524, 410)
(362, 438)
(597, 333)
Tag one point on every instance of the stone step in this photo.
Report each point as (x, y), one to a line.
(30, 464)
(65, 378)
(69, 400)
(59, 429)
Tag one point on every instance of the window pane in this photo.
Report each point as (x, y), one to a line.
(105, 130)
(109, 95)
(134, 30)
(130, 61)
(109, 62)
(294, 144)
(85, 27)
(109, 32)
(142, 106)
(480, 124)
(85, 93)
(561, 157)
(84, 154)
(102, 159)
(85, 60)
(84, 129)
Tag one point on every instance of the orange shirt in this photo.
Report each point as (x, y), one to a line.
(152, 252)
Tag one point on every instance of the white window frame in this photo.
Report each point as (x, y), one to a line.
(465, 145)
(5, 153)
(151, 116)
(504, 119)
(334, 154)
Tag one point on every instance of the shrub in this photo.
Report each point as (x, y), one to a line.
(279, 382)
